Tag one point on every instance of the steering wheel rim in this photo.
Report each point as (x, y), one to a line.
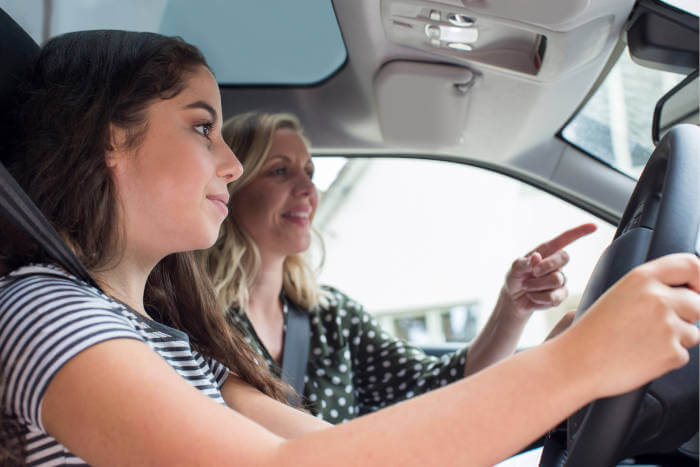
(661, 217)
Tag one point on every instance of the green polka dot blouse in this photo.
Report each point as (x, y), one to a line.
(354, 366)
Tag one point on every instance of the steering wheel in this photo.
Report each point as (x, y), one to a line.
(661, 217)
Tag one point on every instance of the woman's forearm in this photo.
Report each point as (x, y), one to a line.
(498, 338)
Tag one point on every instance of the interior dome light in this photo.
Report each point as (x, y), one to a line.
(451, 33)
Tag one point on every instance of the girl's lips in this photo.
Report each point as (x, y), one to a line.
(221, 205)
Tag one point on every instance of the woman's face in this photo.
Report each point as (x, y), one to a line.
(172, 189)
(276, 207)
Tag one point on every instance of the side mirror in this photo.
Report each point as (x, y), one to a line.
(679, 105)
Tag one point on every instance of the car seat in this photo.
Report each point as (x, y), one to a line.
(17, 52)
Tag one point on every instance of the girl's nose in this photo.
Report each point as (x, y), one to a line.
(230, 168)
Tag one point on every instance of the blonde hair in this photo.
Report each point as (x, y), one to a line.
(234, 261)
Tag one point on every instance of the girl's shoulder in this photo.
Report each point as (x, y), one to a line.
(28, 285)
(46, 318)
(40, 297)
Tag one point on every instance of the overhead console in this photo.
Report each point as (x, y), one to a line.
(540, 41)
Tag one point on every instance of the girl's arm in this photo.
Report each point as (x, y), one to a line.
(635, 332)
(279, 418)
(118, 402)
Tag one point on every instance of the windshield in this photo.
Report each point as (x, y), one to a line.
(615, 124)
(261, 42)
(691, 6)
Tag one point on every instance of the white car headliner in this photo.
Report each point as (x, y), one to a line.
(509, 118)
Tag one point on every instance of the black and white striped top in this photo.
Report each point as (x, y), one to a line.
(47, 317)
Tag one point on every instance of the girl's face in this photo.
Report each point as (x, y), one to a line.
(172, 189)
(276, 207)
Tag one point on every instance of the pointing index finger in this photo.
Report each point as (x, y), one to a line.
(564, 239)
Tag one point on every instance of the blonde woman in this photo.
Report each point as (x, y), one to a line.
(354, 366)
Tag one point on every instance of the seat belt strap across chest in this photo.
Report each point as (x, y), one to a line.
(296, 350)
(21, 210)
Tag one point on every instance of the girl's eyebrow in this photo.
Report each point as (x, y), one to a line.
(203, 105)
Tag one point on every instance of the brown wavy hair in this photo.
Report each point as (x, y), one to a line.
(80, 85)
(12, 448)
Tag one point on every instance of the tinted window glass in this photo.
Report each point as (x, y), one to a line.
(253, 42)
(615, 123)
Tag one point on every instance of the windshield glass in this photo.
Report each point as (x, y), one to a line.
(691, 6)
(261, 42)
(615, 124)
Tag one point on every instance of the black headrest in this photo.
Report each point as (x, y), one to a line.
(17, 51)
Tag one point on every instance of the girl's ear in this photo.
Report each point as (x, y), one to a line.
(114, 151)
(110, 158)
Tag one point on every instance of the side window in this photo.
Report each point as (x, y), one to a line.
(425, 245)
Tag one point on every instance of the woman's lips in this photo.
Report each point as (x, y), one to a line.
(300, 218)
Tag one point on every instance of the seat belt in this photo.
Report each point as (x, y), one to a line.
(296, 350)
(21, 210)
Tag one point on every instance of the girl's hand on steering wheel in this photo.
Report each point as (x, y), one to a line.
(641, 327)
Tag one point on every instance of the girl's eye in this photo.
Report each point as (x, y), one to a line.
(204, 129)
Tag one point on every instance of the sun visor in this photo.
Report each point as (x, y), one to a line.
(423, 104)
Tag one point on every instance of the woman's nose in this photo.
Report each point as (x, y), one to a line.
(304, 186)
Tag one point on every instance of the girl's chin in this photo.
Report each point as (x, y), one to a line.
(204, 242)
(183, 241)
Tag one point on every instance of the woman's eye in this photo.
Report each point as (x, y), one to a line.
(279, 171)
(204, 128)
(310, 173)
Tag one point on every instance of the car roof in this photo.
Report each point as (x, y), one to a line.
(398, 94)
(352, 110)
